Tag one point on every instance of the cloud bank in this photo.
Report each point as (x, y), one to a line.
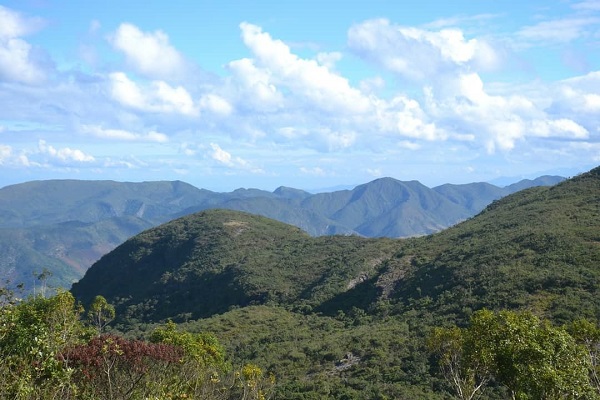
(427, 96)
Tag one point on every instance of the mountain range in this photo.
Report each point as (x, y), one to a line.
(347, 316)
(63, 226)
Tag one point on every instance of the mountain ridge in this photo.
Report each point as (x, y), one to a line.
(108, 212)
(347, 316)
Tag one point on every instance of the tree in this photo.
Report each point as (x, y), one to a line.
(203, 362)
(114, 368)
(462, 365)
(32, 333)
(588, 335)
(529, 356)
(101, 313)
(532, 358)
(204, 373)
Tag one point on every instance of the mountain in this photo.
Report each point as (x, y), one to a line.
(203, 264)
(346, 316)
(40, 203)
(66, 225)
(534, 240)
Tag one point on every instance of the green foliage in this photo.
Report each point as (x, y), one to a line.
(32, 333)
(347, 317)
(532, 358)
(206, 263)
(66, 225)
(587, 334)
(48, 353)
(100, 313)
(464, 359)
(201, 348)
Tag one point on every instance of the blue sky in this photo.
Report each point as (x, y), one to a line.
(228, 94)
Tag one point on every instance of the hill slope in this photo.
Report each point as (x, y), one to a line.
(538, 248)
(66, 225)
(205, 263)
(347, 316)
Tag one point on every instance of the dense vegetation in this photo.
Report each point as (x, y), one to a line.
(349, 317)
(64, 226)
(503, 305)
(48, 352)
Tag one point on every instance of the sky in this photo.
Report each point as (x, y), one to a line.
(307, 94)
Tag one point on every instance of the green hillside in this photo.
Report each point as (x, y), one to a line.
(347, 317)
(539, 249)
(206, 263)
(66, 225)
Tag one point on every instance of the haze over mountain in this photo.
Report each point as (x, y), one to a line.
(347, 315)
(65, 225)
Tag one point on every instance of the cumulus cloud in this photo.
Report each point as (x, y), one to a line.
(254, 87)
(564, 128)
(215, 104)
(308, 79)
(404, 116)
(17, 60)
(499, 122)
(5, 153)
(225, 158)
(149, 53)
(123, 135)
(65, 154)
(419, 54)
(580, 95)
(14, 24)
(158, 96)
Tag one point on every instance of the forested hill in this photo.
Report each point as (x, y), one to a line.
(204, 264)
(348, 316)
(537, 248)
(64, 226)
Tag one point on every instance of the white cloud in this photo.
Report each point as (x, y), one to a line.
(314, 171)
(149, 53)
(65, 154)
(580, 95)
(328, 60)
(16, 61)
(14, 24)
(12, 158)
(159, 96)
(123, 135)
(337, 140)
(176, 98)
(225, 158)
(255, 91)
(404, 116)
(215, 104)
(558, 31)
(372, 85)
(499, 121)
(564, 128)
(587, 5)
(5, 153)
(375, 172)
(405, 144)
(419, 54)
(307, 79)
(221, 155)
(478, 19)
